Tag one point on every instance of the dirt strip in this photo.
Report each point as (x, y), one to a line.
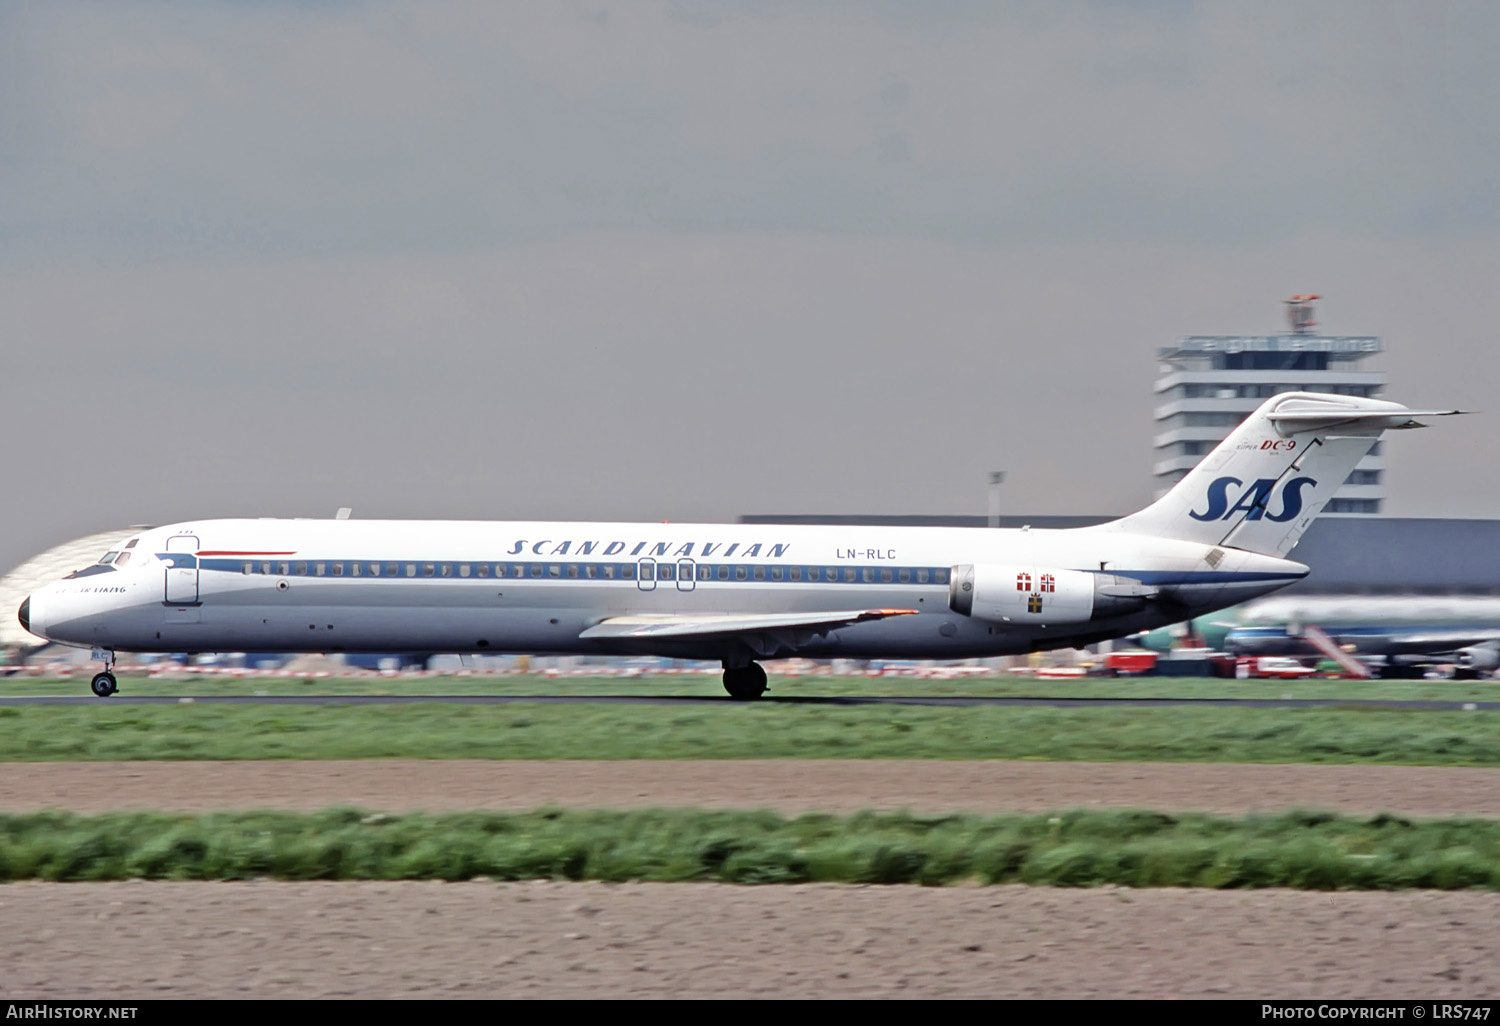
(553, 940)
(826, 785)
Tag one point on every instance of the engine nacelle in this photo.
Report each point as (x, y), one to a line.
(1038, 595)
(1478, 657)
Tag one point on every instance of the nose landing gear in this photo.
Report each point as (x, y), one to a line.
(744, 683)
(104, 684)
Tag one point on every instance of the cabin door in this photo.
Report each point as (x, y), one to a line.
(182, 570)
(645, 575)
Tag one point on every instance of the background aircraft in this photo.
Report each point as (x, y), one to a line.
(1394, 635)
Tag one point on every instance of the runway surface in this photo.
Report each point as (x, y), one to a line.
(682, 700)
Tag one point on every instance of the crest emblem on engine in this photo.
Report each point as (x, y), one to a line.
(1033, 603)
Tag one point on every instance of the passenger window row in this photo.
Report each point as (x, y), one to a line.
(647, 570)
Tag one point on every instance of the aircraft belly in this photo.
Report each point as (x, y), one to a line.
(502, 616)
(222, 626)
(132, 628)
(341, 629)
(547, 617)
(498, 615)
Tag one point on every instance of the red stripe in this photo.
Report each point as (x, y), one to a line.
(238, 552)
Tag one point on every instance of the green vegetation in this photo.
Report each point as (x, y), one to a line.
(1077, 849)
(707, 685)
(106, 730)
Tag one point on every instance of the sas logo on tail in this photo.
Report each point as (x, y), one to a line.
(1254, 501)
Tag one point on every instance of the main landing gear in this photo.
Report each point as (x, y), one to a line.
(744, 682)
(104, 684)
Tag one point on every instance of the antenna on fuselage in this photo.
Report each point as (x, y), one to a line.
(343, 513)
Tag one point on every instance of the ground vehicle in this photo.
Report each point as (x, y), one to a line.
(1279, 667)
(1133, 663)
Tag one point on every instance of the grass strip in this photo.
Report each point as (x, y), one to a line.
(1306, 850)
(106, 731)
(708, 685)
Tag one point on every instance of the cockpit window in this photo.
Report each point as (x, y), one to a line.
(108, 557)
(122, 559)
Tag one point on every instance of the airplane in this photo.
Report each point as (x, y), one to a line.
(1206, 632)
(1395, 635)
(735, 594)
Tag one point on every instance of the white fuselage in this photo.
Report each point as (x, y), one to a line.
(457, 586)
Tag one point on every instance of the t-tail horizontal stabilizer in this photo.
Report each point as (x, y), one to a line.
(1296, 416)
(1263, 485)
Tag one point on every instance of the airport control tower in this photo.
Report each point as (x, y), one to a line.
(1207, 384)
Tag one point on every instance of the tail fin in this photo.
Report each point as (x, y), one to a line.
(1264, 484)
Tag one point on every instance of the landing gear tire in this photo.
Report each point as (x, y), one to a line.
(745, 683)
(103, 684)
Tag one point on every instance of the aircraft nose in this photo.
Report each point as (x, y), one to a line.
(24, 615)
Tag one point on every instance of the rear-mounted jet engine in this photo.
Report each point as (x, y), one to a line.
(1011, 594)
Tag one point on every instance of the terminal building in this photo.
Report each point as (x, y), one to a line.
(1207, 384)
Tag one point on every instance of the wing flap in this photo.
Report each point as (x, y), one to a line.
(676, 626)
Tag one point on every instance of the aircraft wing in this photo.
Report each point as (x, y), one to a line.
(670, 626)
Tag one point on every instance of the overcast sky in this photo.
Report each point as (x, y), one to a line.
(683, 261)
